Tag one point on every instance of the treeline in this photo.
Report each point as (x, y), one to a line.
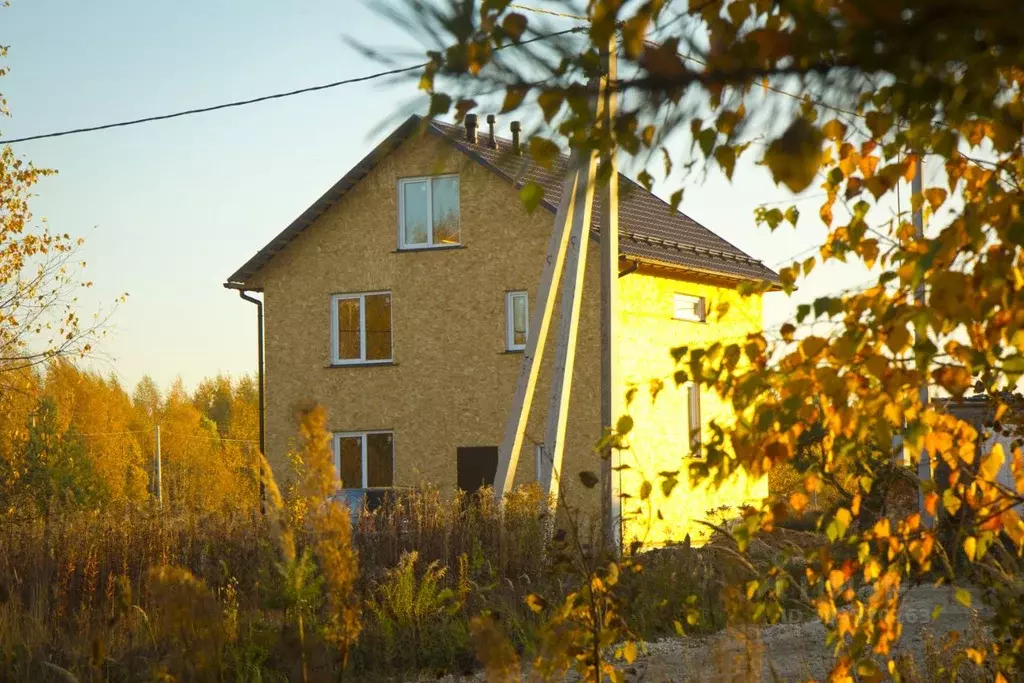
(72, 438)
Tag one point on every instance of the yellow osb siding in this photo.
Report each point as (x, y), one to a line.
(452, 381)
(658, 442)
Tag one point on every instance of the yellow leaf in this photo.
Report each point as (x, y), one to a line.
(881, 529)
(950, 501)
(535, 602)
(992, 463)
(963, 596)
(970, 547)
(798, 501)
(629, 652)
(834, 129)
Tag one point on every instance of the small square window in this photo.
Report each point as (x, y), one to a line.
(517, 321)
(365, 459)
(689, 307)
(428, 212)
(361, 328)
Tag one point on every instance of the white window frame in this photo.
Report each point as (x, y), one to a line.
(701, 304)
(402, 182)
(510, 328)
(336, 444)
(335, 358)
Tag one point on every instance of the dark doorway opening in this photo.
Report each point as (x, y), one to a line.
(477, 466)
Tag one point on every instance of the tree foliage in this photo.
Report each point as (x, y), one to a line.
(856, 96)
(74, 439)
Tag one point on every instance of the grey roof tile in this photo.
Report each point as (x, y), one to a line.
(648, 227)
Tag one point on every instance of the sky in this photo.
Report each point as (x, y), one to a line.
(169, 210)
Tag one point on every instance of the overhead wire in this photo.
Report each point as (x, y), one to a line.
(256, 100)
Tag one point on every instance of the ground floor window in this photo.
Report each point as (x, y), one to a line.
(365, 459)
(476, 467)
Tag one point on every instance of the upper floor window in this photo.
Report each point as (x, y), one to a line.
(361, 328)
(689, 307)
(365, 459)
(517, 321)
(428, 212)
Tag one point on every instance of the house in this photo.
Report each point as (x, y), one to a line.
(979, 411)
(400, 301)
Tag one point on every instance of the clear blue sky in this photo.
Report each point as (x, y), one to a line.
(170, 209)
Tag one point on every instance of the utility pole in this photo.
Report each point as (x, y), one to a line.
(924, 467)
(611, 393)
(159, 481)
(567, 252)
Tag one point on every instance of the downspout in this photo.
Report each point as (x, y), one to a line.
(262, 404)
(631, 268)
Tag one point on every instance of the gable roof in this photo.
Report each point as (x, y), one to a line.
(649, 230)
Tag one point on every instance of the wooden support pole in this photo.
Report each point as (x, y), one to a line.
(569, 323)
(508, 454)
(612, 399)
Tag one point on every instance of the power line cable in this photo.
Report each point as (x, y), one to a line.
(127, 431)
(553, 13)
(255, 100)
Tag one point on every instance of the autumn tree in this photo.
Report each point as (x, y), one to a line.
(854, 96)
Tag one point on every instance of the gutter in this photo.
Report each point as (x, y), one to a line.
(261, 383)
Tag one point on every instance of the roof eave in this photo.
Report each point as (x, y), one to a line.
(708, 273)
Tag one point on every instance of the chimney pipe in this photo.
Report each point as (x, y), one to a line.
(471, 128)
(516, 127)
(490, 125)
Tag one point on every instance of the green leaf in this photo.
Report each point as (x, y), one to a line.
(792, 215)
(706, 140)
(550, 102)
(668, 484)
(646, 179)
(543, 151)
(531, 195)
(676, 199)
(439, 104)
(624, 425)
(726, 157)
(795, 157)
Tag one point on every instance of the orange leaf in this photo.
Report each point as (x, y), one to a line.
(936, 196)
